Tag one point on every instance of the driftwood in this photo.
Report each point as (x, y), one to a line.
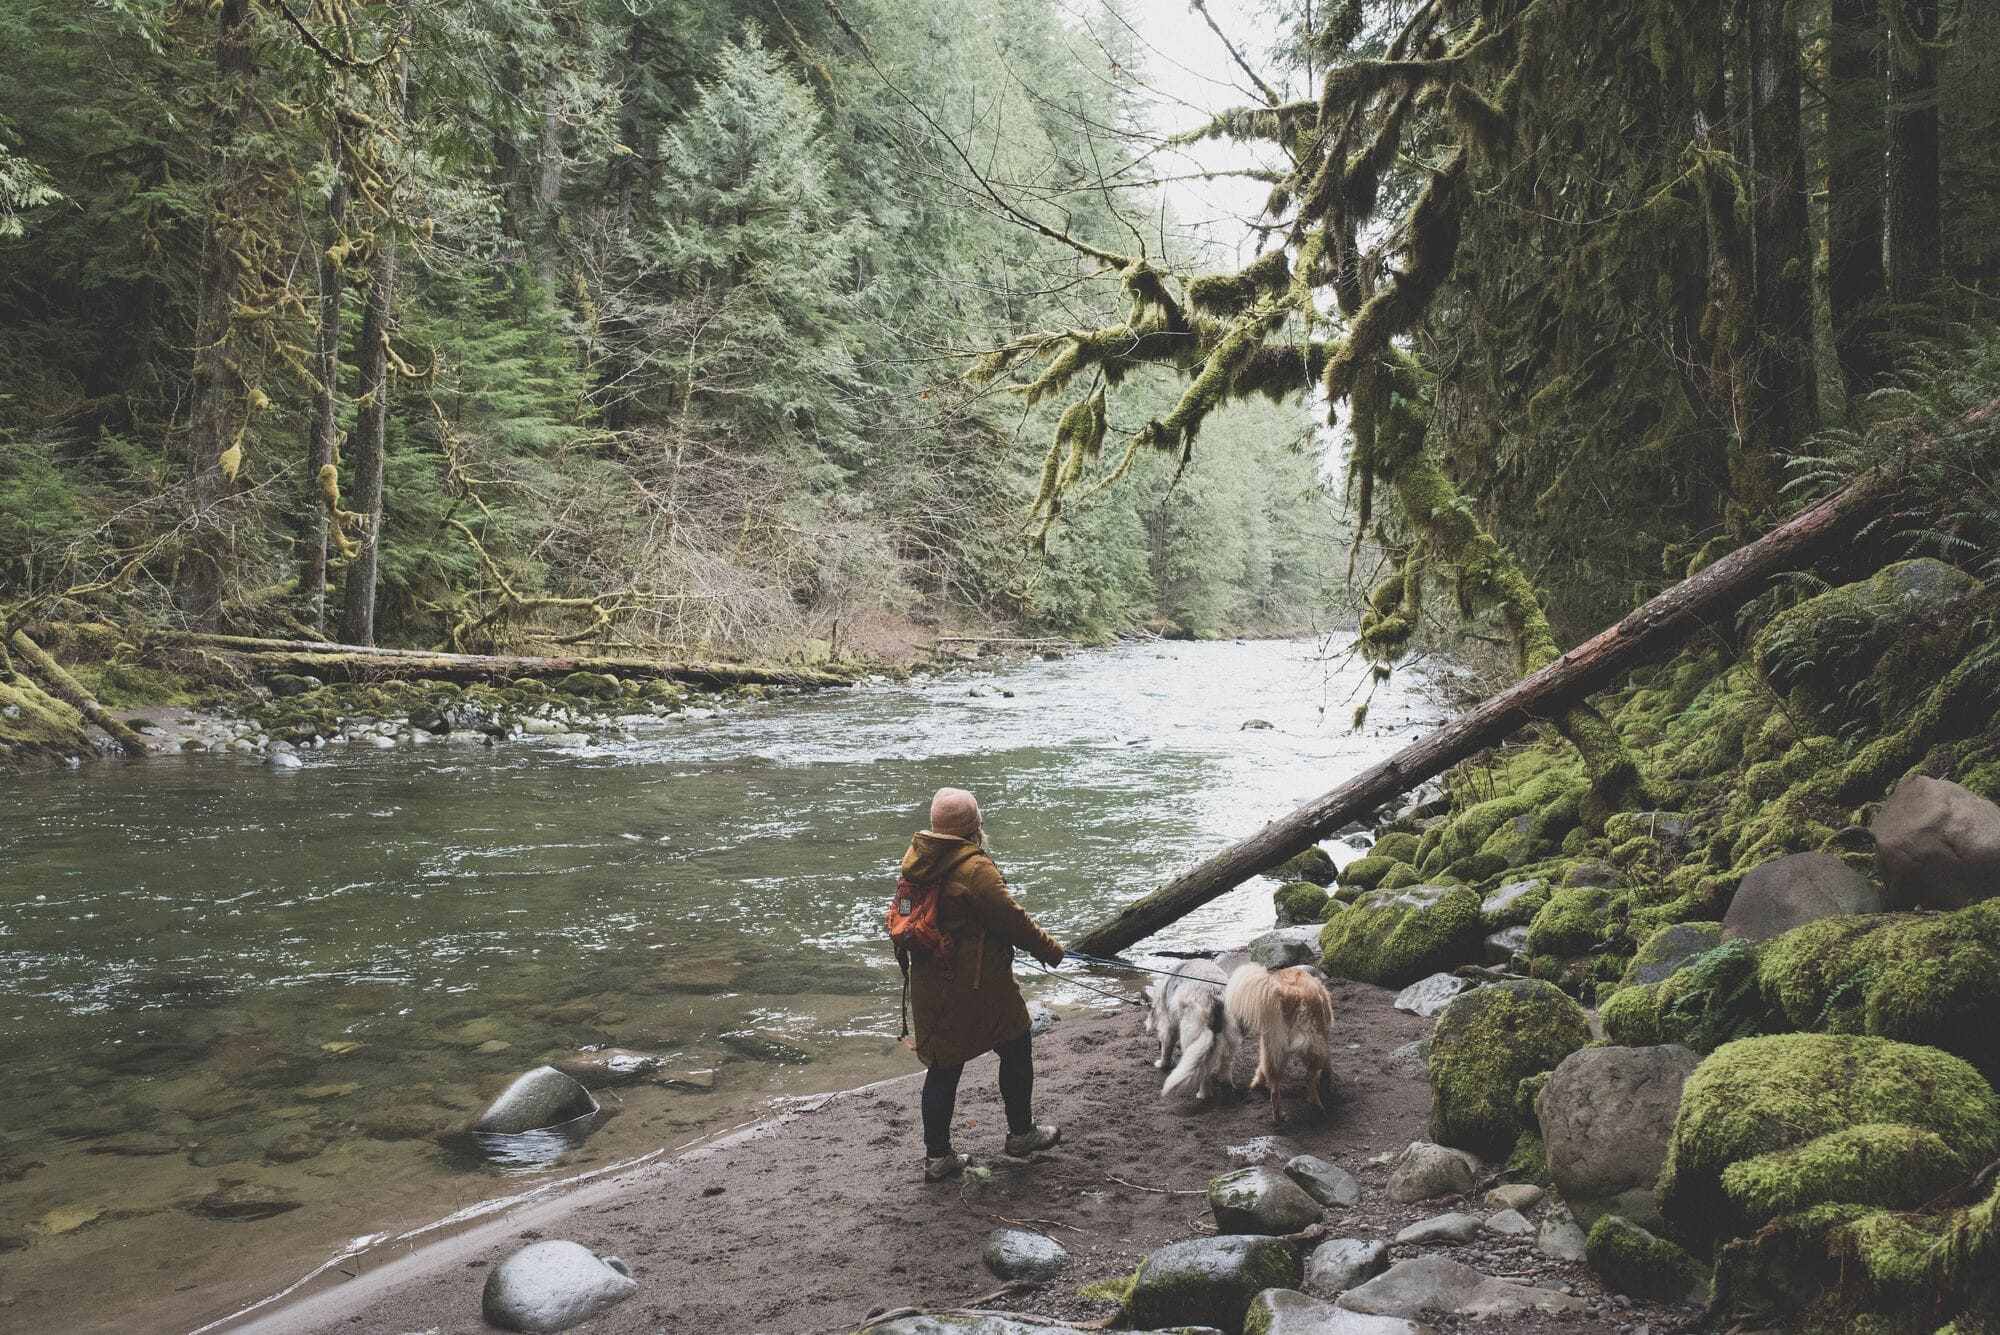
(70, 691)
(351, 662)
(1654, 627)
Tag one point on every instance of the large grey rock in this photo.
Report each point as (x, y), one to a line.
(1937, 844)
(1606, 1114)
(1260, 1200)
(1288, 1312)
(1796, 890)
(1454, 1227)
(1425, 1172)
(1285, 947)
(1508, 1224)
(550, 1286)
(1329, 1184)
(541, 1097)
(1561, 1236)
(1340, 1264)
(1013, 1253)
(1514, 903)
(1428, 996)
(1209, 1281)
(1434, 1283)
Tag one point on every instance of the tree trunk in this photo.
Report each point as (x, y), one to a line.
(1829, 387)
(323, 444)
(357, 622)
(1780, 233)
(1854, 185)
(216, 419)
(1910, 230)
(548, 181)
(1648, 631)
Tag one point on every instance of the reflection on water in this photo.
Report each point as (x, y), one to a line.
(235, 995)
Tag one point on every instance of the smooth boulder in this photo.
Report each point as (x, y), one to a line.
(1287, 1312)
(1606, 1117)
(1342, 1263)
(1425, 1172)
(1434, 1283)
(1428, 996)
(1937, 845)
(1329, 1184)
(1260, 1200)
(1284, 947)
(1793, 891)
(1209, 1281)
(1014, 1253)
(551, 1286)
(539, 1098)
(1454, 1227)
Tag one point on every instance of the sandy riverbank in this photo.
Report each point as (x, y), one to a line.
(815, 1219)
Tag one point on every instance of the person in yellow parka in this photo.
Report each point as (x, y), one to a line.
(967, 1002)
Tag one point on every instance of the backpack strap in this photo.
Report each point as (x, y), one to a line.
(903, 962)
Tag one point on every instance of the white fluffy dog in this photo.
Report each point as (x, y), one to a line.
(1290, 1013)
(1188, 1017)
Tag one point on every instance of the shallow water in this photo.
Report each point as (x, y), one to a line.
(204, 959)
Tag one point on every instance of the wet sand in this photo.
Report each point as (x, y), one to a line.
(815, 1219)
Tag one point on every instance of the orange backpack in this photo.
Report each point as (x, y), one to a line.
(913, 922)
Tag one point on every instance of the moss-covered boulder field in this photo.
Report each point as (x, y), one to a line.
(1804, 899)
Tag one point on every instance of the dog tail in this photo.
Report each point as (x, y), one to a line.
(1186, 1076)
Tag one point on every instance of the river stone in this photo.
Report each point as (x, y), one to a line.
(1508, 1224)
(293, 1146)
(1561, 1236)
(284, 760)
(1342, 1263)
(1260, 1200)
(1411, 1061)
(1329, 1184)
(1209, 1281)
(1523, 1196)
(980, 1325)
(1013, 1253)
(601, 1068)
(1514, 903)
(1505, 946)
(1261, 1150)
(1428, 996)
(1424, 1172)
(551, 1286)
(542, 1097)
(245, 1200)
(1793, 891)
(1937, 844)
(1454, 1227)
(1606, 1115)
(1286, 947)
(1434, 1283)
(1287, 1312)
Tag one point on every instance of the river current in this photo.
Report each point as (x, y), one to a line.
(238, 1004)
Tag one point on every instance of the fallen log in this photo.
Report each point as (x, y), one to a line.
(70, 691)
(353, 662)
(1655, 626)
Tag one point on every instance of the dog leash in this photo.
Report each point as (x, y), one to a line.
(1074, 982)
(1136, 968)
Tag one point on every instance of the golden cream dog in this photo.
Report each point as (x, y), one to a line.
(1289, 1012)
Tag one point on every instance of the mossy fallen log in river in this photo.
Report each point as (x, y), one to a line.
(1654, 627)
(348, 662)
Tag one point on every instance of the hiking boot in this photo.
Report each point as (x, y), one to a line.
(1035, 1138)
(938, 1167)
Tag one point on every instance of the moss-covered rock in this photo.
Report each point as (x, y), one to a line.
(1209, 1281)
(1863, 652)
(1315, 865)
(1486, 1043)
(1919, 979)
(1762, 1096)
(591, 685)
(1394, 937)
(1365, 873)
(1398, 846)
(1514, 904)
(1575, 920)
(36, 729)
(1636, 1262)
(1665, 952)
(1713, 999)
(1888, 1164)
(1299, 903)
(1401, 876)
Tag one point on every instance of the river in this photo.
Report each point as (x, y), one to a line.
(234, 991)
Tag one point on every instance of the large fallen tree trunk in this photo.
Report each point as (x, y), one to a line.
(353, 662)
(1655, 626)
(70, 691)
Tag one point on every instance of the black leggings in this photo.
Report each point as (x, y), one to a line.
(1017, 1091)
